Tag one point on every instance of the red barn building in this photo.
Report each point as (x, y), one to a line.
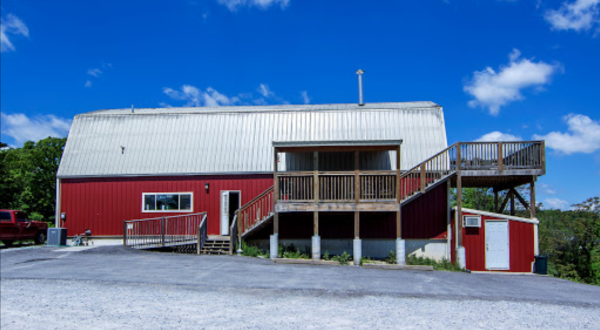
(367, 179)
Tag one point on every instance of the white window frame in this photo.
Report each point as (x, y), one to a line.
(471, 216)
(168, 193)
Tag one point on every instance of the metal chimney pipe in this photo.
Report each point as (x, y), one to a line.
(360, 87)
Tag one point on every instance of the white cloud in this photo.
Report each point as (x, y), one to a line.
(583, 136)
(198, 98)
(11, 25)
(210, 97)
(493, 89)
(234, 5)
(305, 97)
(555, 203)
(498, 136)
(94, 72)
(546, 189)
(88, 84)
(22, 128)
(264, 90)
(577, 15)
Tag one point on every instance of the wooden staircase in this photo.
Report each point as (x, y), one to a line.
(216, 245)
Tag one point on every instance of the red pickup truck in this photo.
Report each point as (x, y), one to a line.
(14, 226)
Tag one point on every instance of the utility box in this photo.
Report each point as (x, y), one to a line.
(57, 236)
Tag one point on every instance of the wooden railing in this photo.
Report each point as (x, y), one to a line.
(202, 235)
(336, 187)
(233, 234)
(296, 187)
(382, 185)
(162, 231)
(377, 186)
(257, 210)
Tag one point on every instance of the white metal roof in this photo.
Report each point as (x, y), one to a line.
(187, 141)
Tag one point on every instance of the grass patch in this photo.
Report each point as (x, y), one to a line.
(444, 264)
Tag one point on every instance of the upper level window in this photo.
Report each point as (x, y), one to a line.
(167, 202)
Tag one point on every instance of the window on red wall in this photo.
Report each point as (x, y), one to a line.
(167, 202)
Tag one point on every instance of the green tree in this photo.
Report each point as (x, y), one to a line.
(28, 177)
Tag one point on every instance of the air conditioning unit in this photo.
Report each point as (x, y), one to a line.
(57, 236)
(472, 221)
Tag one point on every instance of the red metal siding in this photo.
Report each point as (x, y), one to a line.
(102, 204)
(521, 244)
(427, 216)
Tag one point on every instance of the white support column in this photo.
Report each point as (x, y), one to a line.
(57, 207)
(461, 254)
(400, 251)
(357, 251)
(274, 246)
(316, 247)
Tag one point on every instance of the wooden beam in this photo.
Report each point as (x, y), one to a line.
(316, 176)
(275, 178)
(500, 157)
(276, 223)
(357, 224)
(398, 174)
(532, 198)
(512, 201)
(521, 199)
(399, 223)
(459, 206)
(423, 175)
(316, 223)
(495, 200)
(503, 206)
(356, 177)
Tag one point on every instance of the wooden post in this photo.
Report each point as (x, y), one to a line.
(316, 176)
(275, 178)
(316, 223)
(162, 230)
(398, 173)
(459, 208)
(356, 224)
(399, 223)
(423, 177)
(512, 202)
(356, 178)
(238, 215)
(532, 198)
(495, 200)
(500, 158)
(275, 194)
(543, 155)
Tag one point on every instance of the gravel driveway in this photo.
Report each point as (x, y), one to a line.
(118, 288)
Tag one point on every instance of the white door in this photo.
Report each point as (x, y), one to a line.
(496, 245)
(224, 213)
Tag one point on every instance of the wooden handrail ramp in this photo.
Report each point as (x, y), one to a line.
(161, 232)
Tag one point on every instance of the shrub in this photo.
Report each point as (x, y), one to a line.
(444, 264)
(252, 251)
(343, 259)
(326, 255)
(391, 258)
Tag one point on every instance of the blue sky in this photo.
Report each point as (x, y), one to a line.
(505, 70)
